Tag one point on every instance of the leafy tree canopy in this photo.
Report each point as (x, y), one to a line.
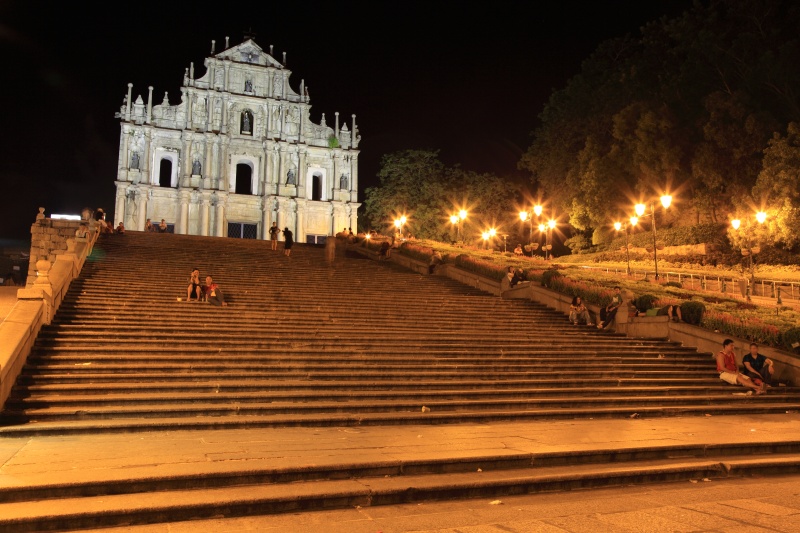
(689, 106)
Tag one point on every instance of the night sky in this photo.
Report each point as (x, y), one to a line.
(469, 80)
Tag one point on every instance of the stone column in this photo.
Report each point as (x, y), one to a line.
(149, 105)
(142, 199)
(189, 109)
(266, 205)
(301, 174)
(212, 74)
(204, 207)
(183, 214)
(119, 204)
(354, 178)
(214, 168)
(336, 155)
(282, 167)
(220, 215)
(125, 158)
(184, 101)
(185, 163)
(224, 126)
(227, 67)
(300, 236)
(223, 167)
(128, 103)
(145, 162)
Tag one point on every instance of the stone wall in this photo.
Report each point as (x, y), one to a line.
(48, 241)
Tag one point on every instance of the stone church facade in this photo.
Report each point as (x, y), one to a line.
(238, 153)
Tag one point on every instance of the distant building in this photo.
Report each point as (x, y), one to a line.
(237, 153)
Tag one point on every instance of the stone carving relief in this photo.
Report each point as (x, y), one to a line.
(292, 120)
(248, 85)
(277, 86)
(343, 181)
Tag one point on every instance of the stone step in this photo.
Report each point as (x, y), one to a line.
(209, 405)
(23, 427)
(143, 395)
(128, 499)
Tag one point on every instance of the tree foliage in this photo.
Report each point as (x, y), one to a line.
(417, 184)
(688, 106)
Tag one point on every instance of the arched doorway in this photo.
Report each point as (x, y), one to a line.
(316, 187)
(244, 179)
(165, 173)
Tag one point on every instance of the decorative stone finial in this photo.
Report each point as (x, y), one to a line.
(213, 45)
(40, 216)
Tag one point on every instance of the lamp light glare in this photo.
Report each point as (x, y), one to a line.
(634, 221)
(736, 223)
(538, 210)
(617, 226)
(454, 219)
(492, 232)
(666, 200)
(542, 227)
(639, 208)
(761, 216)
(462, 214)
(523, 215)
(551, 223)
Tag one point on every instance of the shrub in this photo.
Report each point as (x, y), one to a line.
(548, 276)
(675, 284)
(789, 337)
(578, 244)
(644, 302)
(483, 268)
(692, 312)
(415, 251)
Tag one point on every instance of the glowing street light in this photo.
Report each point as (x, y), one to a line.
(454, 221)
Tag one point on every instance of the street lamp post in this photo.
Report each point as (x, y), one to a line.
(551, 224)
(618, 226)
(543, 229)
(454, 221)
(528, 216)
(399, 223)
(666, 200)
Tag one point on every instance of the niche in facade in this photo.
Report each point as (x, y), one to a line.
(316, 187)
(246, 125)
(165, 173)
(244, 179)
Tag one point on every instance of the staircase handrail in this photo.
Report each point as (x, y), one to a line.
(35, 307)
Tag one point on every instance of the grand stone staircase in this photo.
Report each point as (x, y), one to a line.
(306, 343)
(355, 343)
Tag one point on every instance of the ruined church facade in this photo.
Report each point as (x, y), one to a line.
(238, 153)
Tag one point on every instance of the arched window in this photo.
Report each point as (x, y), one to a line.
(316, 187)
(165, 173)
(246, 123)
(244, 179)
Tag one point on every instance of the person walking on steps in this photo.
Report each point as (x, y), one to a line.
(288, 241)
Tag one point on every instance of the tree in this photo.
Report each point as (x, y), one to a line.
(778, 187)
(688, 106)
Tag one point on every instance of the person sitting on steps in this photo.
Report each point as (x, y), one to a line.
(758, 367)
(578, 312)
(213, 294)
(609, 312)
(194, 291)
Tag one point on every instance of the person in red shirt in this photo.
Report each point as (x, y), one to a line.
(729, 370)
(214, 294)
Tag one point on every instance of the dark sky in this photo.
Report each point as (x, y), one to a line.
(469, 80)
